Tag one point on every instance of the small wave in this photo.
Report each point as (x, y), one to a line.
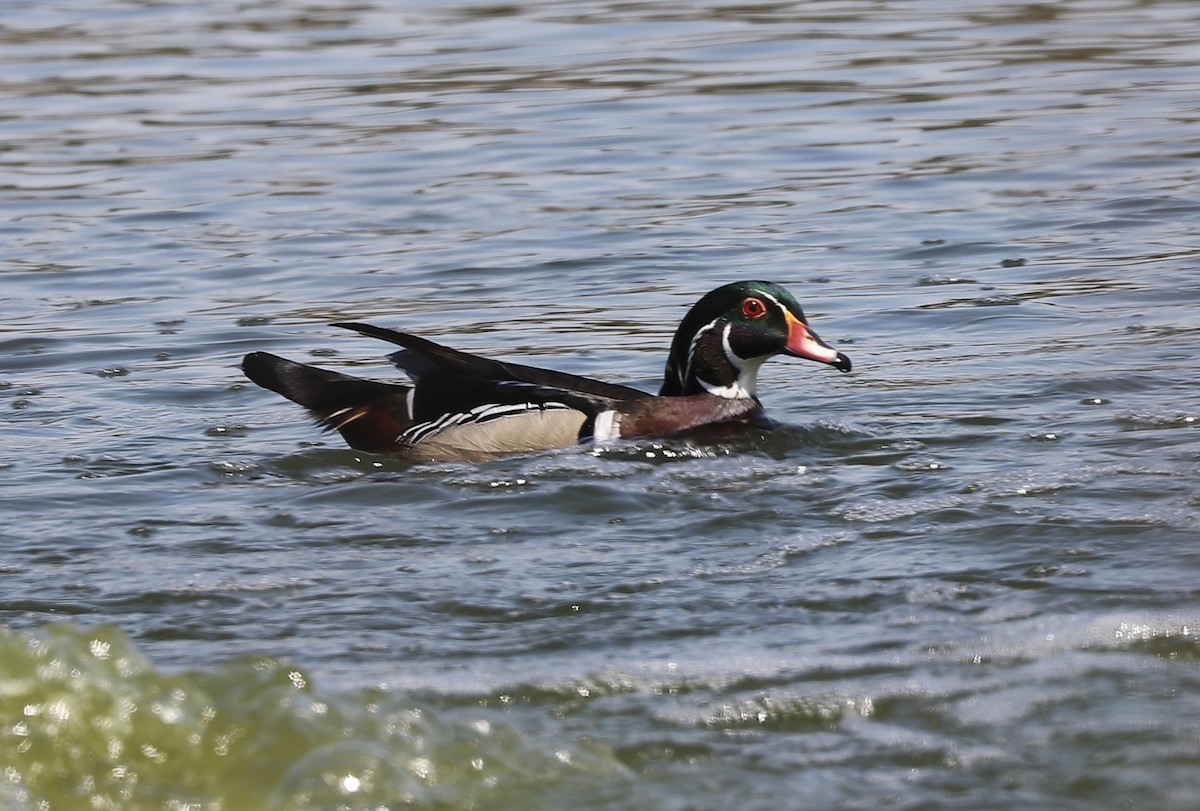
(90, 723)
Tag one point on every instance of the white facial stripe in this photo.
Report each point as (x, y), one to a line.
(778, 303)
(729, 353)
(686, 371)
(746, 384)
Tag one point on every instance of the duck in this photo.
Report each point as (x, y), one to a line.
(464, 407)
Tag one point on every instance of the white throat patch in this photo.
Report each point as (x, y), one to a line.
(746, 385)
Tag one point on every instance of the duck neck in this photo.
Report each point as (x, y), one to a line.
(707, 364)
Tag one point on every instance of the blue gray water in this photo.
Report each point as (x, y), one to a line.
(964, 576)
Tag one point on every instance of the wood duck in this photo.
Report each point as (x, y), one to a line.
(465, 407)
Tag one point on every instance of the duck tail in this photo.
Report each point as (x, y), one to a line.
(369, 415)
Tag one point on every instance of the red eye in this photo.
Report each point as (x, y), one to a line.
(753, 308)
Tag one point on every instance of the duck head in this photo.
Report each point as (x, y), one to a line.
(728, 334)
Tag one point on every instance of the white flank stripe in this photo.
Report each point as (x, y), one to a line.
(607, 427)
(478, 414)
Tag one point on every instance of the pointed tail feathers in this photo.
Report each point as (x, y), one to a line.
(369, 415)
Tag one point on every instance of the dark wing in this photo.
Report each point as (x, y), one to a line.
(423, 358)
(464, 415)
(444, 401)
(369, 415)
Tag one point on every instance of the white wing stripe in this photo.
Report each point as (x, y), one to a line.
(478, 414)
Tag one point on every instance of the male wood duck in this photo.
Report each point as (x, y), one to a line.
(465, 407)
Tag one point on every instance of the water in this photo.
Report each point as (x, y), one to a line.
(963, 576)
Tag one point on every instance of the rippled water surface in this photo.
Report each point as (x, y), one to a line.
(963, 576)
